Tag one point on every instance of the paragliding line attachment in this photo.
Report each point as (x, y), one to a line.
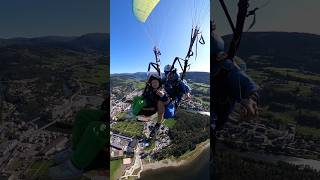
(194, 35)
(242, 13)
(193, 38)
(157, 54)
(225, 9)
(155, 65)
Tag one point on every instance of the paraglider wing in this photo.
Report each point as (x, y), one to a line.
(143, 8)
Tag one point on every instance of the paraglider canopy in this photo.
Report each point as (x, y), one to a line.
(142, 8)
(152, 15)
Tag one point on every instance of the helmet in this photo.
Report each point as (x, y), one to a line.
(218, 44)
(167, 68)
(153, 75)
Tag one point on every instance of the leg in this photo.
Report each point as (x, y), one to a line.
(83, 119)
(91, 143)
(161, 110)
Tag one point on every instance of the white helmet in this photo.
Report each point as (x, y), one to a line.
(167, 68)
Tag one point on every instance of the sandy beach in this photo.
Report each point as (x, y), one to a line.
(175, 163)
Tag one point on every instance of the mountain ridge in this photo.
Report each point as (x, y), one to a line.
(91, 41)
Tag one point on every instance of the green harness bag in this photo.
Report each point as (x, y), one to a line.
(138, 104)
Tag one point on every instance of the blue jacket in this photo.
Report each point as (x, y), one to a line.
(230, 88)
(175, 87)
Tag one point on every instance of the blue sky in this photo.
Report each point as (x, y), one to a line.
(278, 15)
(34, 18)
(168, 26)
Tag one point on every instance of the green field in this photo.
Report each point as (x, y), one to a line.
(38, 169)
(97, 75)
(140, 85)
(114, 166)
(257, 75)
(169, 122)
(199, 85)
(16, 164)
(283, 117)
(308, 131)
(294, 73)
(200, 92)
(288, 95)
(129, 128)
(124, 81)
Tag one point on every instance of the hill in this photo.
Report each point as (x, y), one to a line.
(199, 77)
(284, 49)
(88, 42)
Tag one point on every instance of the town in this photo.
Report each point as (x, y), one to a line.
(138, 150)
(37, 124)
(261, 135)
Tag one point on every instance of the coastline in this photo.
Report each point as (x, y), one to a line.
(183, 160)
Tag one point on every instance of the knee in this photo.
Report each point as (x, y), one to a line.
(161, 106)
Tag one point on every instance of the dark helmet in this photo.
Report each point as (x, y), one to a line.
(152, 76)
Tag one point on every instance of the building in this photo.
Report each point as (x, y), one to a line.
(56, 145)
(6, 147)
(129, 151)
(116, 153)
(126, 162)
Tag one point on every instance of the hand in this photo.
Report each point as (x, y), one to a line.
(249, 108)
(160, 93)
(188, 96)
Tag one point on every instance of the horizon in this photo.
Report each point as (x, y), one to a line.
(57, 35)
(276, 31)
(44, 36)
(161, 72)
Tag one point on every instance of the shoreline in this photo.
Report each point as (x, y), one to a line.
(191, 156)
(274, 158)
